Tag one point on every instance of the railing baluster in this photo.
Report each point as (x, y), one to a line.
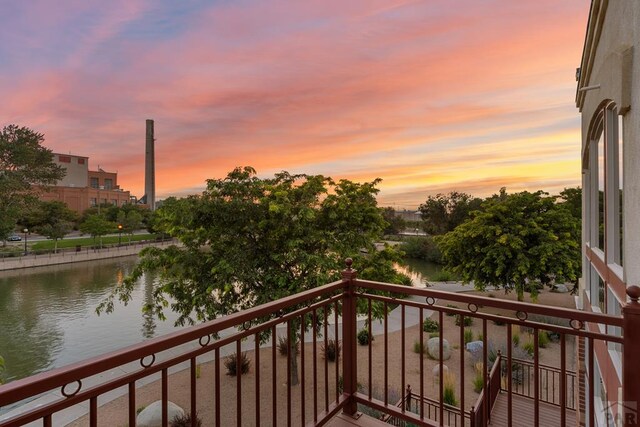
(256, 346)
(217, 385)
(591, 393)
(402, 340)
(274, 378)
(165, 398)
(335, 318)
(238, 384)
(132, 404)
(421, 332)
(289, 346)
(369, 331)
(441, 357)
(93, 411)
(302, 371)
(193, 391)
(563, 381)
(386, 353)
(326, 362)
(485, 367)
(315, 366)
(509, 376)
(46, 421)
(536, 378)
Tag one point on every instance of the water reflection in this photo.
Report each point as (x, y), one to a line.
(48, 319)
(419, 271)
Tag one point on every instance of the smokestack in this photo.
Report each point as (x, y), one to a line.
(150, 168)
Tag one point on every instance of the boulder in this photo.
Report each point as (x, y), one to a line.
(562, 289)
(433, 348)
(436, 371)
(151, 416)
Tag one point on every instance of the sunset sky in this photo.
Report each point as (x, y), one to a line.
(431, 95)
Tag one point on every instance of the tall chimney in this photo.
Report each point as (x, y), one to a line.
(150, 168)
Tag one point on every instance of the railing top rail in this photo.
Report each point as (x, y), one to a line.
(45, 381)
(544, 310)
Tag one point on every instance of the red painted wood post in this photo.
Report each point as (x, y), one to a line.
(630, 365)
(349, 367)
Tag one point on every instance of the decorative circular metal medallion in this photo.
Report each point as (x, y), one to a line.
(246, 325)
(203, 344)
(576, 324)
(472, 307)
(430, 300)
(64, 389)
(146, 365)
(521, 315)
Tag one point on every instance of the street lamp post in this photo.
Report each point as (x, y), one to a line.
(26, 230)
(119, 234)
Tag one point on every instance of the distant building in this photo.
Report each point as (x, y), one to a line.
(82, 188)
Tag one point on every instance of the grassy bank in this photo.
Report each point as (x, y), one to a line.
(89, 241)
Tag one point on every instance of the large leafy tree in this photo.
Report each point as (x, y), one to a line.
(247, 241)
(517, 242)
(444, 212)
(97, 226)
(395, 223)
(26, 167)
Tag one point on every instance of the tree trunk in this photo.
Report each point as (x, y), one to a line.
(55, 246)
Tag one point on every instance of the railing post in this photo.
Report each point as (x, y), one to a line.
(630, 366)
(349, 367)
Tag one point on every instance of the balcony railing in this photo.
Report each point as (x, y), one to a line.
(326, 387)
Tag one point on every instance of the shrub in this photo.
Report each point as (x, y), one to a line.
(449, 390)
(443, 276)
(543, 339)
(332, 351)
(478, 379)
(430, 325)
(283, 347)
(468, 321)
(480, 337)
(434, 334)
(364, 336)
(529, 347)
(515, 335)
(231, 361)
(468, 336)
(185, 421)
(417, 348)
(448, 313)
(421, 248)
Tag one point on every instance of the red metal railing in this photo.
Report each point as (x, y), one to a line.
(325, 387)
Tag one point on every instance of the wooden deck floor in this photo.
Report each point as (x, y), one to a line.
(522, 411)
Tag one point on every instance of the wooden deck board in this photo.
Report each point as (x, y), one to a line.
(523, 416)
(342, 420)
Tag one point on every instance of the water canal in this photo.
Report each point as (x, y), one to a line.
(48, 318)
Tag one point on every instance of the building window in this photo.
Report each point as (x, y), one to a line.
(114, 202)
(80, 161)
(64, 159)
(93, 202)
(94, 182)
(108, 183)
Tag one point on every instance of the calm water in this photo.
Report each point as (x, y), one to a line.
(420, 271)
(48, 319)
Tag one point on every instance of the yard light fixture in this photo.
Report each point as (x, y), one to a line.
(26, 230)
(119, 234)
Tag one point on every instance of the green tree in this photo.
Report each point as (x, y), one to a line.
(53, 220)
(132, 222)
(395, 223)
(26, 168)
(518, 242)
(247, 241)
(1, 368)
(444, 212)
(97, 226)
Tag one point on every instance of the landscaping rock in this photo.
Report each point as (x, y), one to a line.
(562, 289)
(433, 348)
(436, 371)
(151, 416)
(475, 348)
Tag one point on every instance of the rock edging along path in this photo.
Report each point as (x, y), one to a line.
(28, 261)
